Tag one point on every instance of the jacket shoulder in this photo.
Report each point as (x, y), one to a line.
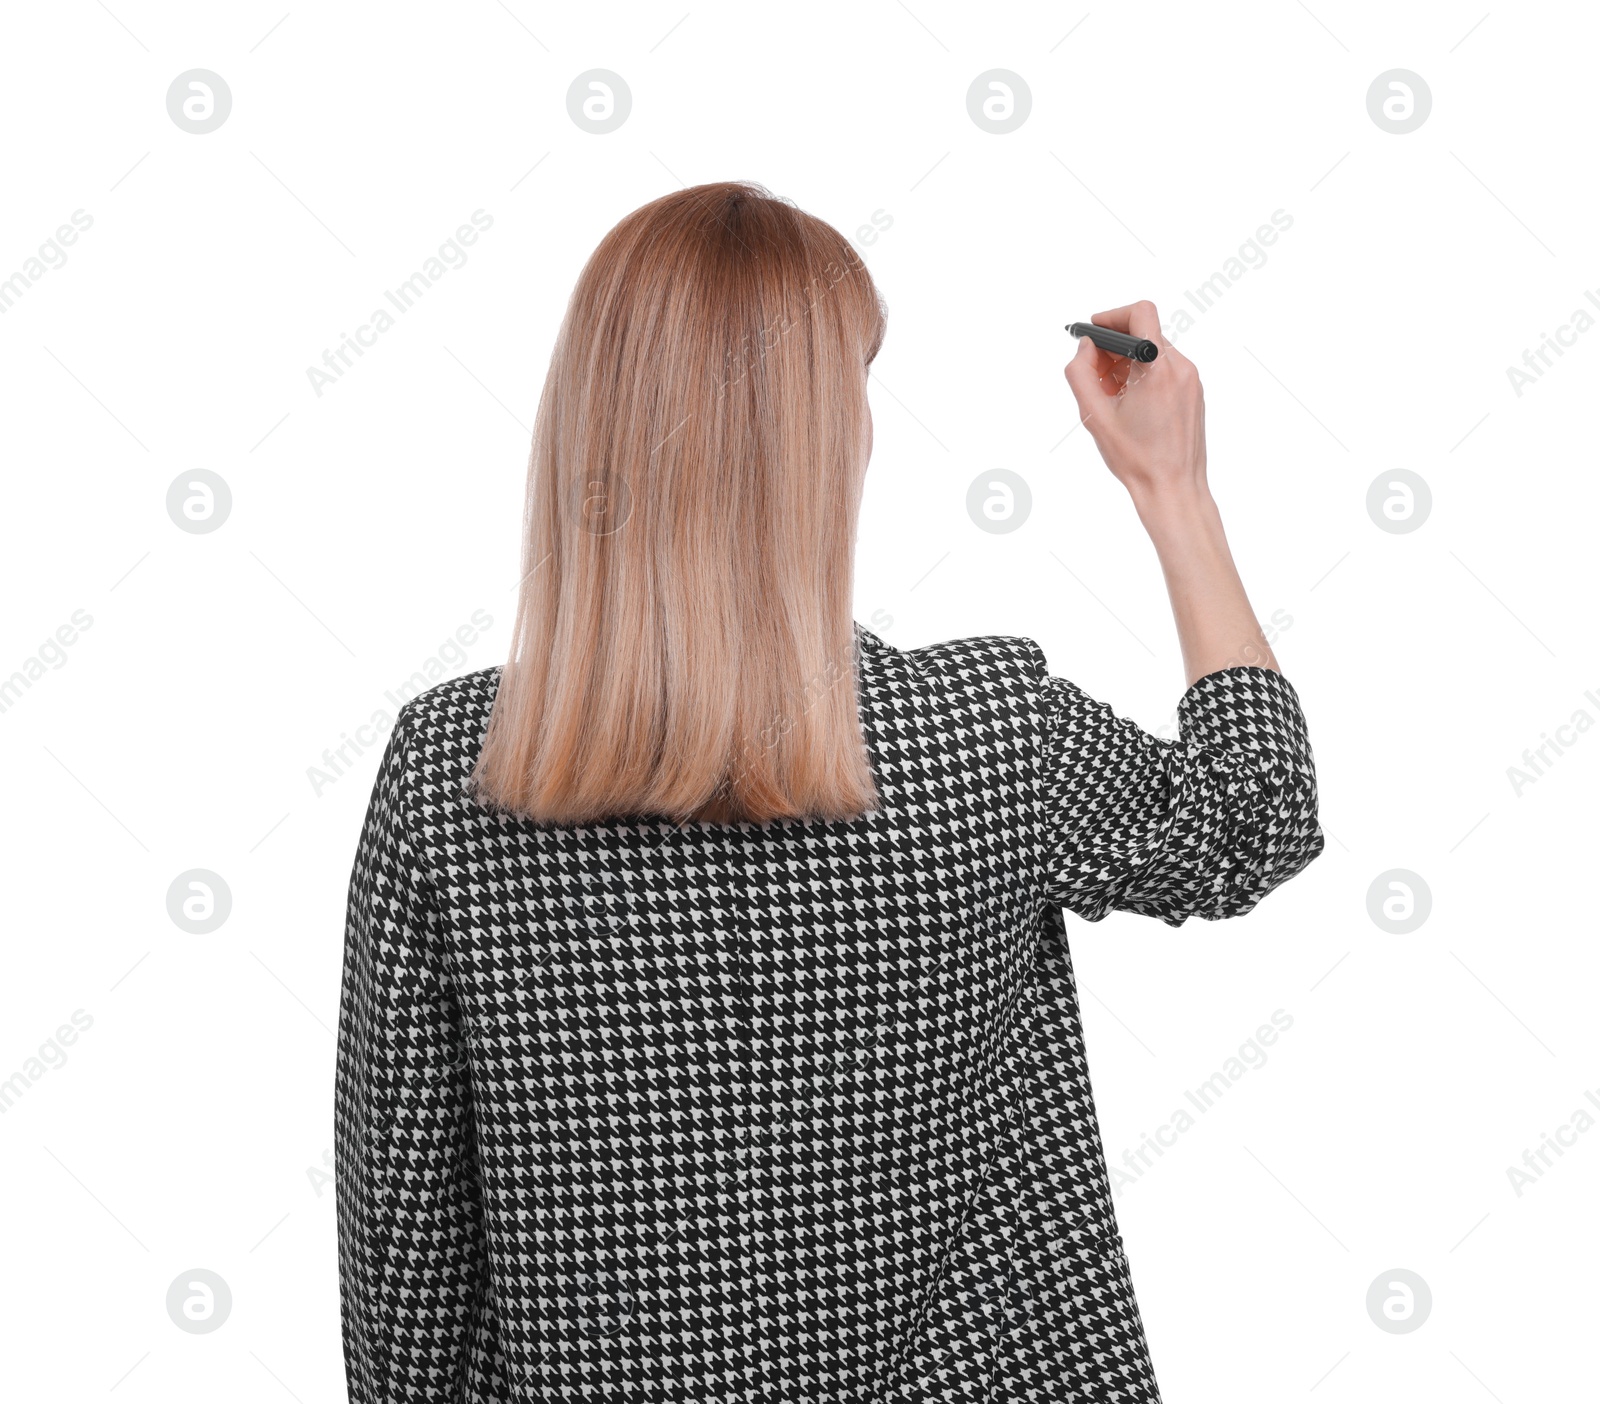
(981, 660)
(456, 707)
(987, 676)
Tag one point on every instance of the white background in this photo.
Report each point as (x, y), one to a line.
(189, 1122)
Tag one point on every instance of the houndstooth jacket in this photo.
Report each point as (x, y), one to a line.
(794, 1112)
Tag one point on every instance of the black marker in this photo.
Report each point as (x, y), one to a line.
(1135, 348)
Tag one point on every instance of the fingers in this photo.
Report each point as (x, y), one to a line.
(1089, 379)
(1116, 318)
(1113, 371)
(1136, 319)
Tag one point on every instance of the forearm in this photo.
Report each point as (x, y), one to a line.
(1216, 626)
(1148, 421)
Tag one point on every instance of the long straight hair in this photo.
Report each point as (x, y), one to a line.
(684, 643)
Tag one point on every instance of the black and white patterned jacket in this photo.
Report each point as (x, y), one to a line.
(795, 1112)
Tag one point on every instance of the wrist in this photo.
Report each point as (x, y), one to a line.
(1176, 508)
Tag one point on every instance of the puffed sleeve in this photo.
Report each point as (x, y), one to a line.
(411, 1244)
(1205, 825)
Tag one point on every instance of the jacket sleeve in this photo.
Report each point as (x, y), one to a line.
(1205, 825)
(411, 1247)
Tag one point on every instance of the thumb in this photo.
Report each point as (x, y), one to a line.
(1083, 377)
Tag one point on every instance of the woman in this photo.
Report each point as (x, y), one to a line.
(708, 1028)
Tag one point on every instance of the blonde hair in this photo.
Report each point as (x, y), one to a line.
(684, 643)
